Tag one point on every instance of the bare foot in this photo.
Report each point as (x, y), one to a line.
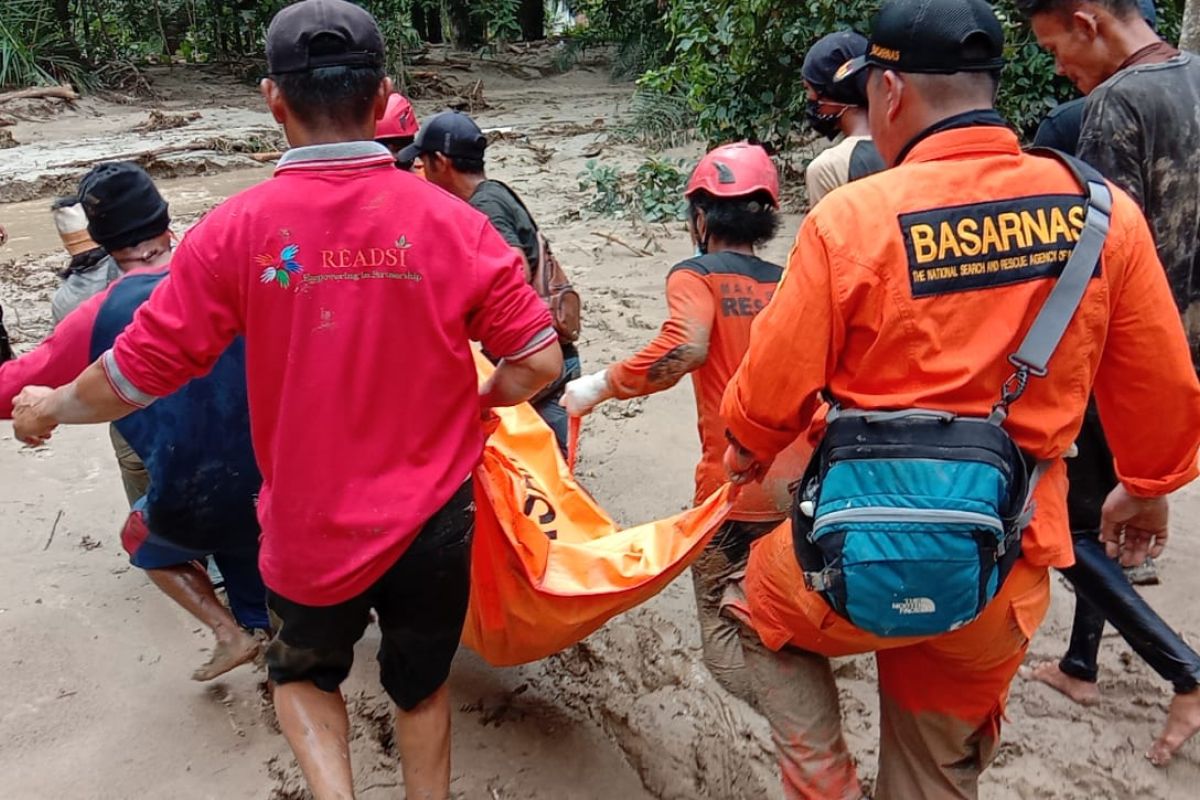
(230, 653)
(1082, 692)
(1183, 722)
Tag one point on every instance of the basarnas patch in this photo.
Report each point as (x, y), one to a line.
(986, 245)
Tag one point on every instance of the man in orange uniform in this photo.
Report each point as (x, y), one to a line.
(966, 237)
(733, 197)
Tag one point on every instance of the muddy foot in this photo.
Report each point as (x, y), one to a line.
(1082, 692)
(227, 655)
(1183, 722)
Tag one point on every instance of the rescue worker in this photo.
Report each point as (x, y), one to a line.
(363, 393)
(837, 106)
(733, 201)
(904, 318)
(452, 151)
(397, 128)
(199, 489)
(1139, 129)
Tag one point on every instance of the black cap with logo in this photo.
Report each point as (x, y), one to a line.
(323, 33)
(934, 36)
(829, 61)
(451, 133)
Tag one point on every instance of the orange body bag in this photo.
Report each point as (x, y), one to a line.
(548, 566)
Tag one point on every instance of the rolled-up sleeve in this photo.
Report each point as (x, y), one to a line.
(776, 389)
(681, 345)
(1147, 364)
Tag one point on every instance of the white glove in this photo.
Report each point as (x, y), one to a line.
(583, 394)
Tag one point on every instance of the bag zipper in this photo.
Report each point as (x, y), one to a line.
(933, 515)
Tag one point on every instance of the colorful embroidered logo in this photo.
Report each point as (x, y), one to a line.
(280, 270)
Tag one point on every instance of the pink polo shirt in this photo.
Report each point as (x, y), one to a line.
(357, 287)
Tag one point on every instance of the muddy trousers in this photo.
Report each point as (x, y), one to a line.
(941, 698)
(722, 559)
(134, 477)
(1102, 592)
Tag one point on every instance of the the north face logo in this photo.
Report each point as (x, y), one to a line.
(914, 605)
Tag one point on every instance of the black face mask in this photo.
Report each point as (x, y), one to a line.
(824, 124)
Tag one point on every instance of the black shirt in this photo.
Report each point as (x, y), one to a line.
(1060, 129)
(509, 217)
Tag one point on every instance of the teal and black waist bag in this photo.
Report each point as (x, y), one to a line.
(909, 521)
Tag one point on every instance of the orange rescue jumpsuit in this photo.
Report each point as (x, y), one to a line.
(712, 301)
(922, 309)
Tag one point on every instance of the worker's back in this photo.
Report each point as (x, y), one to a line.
(927, 304)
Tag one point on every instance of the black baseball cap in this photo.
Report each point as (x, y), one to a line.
(934, 37)
(829, 62)
(344, 35)
(451, 133)
(123, 206)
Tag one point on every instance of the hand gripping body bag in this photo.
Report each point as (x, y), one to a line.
(908, 521)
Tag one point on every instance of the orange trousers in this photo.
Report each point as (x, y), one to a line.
(941, 697)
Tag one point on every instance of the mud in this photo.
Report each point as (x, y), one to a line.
(98, 660)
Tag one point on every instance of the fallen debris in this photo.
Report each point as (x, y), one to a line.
(163, 121)
(62, 92)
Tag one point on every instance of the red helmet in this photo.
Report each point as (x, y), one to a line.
(735, 170)
(399, 120)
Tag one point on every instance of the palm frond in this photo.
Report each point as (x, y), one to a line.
(34, 51)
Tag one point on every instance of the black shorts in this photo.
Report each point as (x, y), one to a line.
(421, 603)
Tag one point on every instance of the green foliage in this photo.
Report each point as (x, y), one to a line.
(652, 192)
(1029, 87)
(737, 62)
(500, 18)
(657, 120)
(658, 187)
(33, 48)
(603, 183)
(634, 27)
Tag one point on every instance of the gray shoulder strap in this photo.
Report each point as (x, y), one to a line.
(1051, 323)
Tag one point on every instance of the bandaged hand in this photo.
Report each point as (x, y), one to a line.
(583, 394)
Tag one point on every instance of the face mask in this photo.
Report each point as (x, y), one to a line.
(824, 124)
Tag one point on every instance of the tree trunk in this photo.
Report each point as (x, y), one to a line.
(62, 14)
(533, 20)
(1189, 38)
(468, 27)
(427, 19)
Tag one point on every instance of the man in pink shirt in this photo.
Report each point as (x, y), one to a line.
(357, 288)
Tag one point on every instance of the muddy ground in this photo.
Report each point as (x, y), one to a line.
(99, 704)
